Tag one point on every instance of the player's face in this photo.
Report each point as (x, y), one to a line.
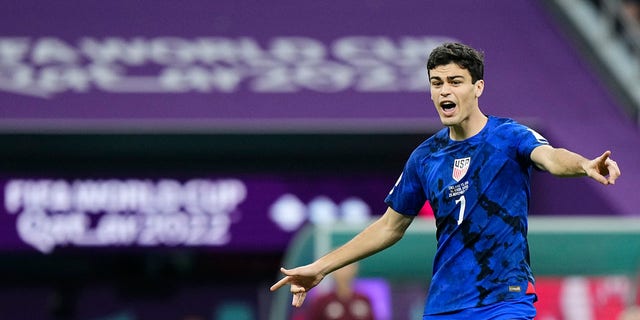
(454, 95)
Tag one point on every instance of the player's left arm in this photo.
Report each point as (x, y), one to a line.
(564, 163)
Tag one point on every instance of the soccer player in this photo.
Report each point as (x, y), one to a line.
(476, 174)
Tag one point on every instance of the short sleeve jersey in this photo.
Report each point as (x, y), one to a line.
(479, 189)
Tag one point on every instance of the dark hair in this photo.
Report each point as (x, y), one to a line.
(462, 55)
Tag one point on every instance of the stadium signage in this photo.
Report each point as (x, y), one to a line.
(237, 213)
(46, 66)
(123, 212)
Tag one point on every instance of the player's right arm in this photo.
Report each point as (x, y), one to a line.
(564, 163)
(381, 234)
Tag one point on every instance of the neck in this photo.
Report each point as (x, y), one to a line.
(468, 127)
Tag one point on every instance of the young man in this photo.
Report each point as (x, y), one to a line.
(476, 175)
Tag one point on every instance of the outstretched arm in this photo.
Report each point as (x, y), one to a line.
(564, 163)
(378, 236)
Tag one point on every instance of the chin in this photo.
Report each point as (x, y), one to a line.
(448, 121)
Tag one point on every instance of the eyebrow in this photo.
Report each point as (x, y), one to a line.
(448, 78)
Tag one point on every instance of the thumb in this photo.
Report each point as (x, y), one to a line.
(287, 272)
(604, 156)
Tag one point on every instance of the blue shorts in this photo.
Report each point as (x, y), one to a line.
(519, 309)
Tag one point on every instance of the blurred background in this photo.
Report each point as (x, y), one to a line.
(162, 159)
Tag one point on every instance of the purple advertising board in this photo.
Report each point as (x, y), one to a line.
(240, 213)
(220, 65)
(233, 65)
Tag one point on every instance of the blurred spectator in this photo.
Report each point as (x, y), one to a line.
(632, 313)
(343, 302)
(632, 9)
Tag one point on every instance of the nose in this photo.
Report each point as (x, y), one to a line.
(445, 90)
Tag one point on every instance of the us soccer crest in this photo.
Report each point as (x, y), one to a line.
(460, 168)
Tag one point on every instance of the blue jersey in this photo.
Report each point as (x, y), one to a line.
(479, 189)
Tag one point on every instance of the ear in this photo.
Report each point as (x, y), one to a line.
(479, 88)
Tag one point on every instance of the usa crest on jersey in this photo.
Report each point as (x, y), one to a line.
(460, 168)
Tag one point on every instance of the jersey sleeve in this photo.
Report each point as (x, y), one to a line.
(529, 140)
(408, 195)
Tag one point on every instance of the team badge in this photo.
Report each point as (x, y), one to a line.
(460, 168)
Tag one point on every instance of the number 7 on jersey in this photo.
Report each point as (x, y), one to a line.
(463, 203)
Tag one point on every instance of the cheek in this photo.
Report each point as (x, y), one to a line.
(469, 95)
(433, 95)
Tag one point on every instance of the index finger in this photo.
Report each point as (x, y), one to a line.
(280, 283)
(614, 172)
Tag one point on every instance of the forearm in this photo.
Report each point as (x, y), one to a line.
(565, 163)
(378, 236)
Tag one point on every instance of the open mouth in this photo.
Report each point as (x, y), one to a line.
(447, 105)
